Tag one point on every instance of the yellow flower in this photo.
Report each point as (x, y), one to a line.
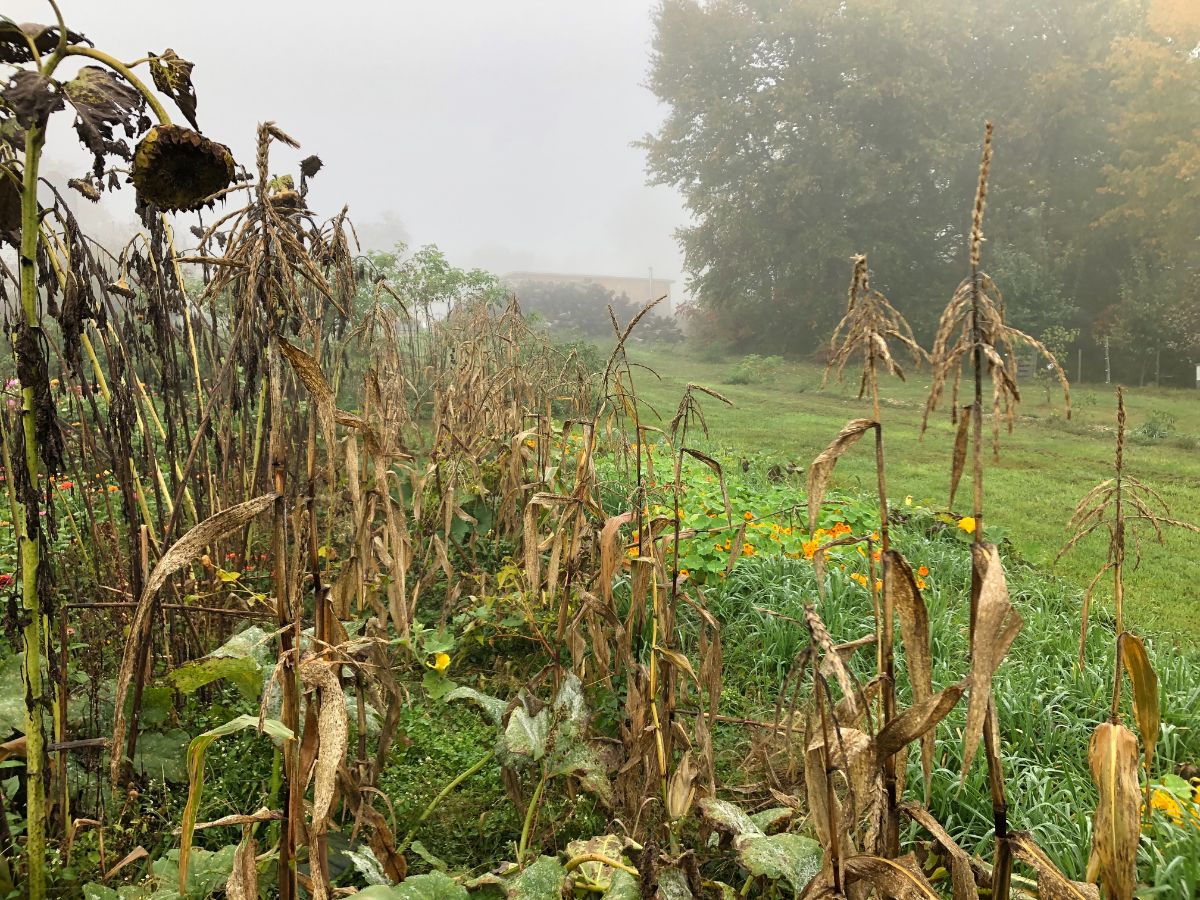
(920, 584)
(967, 524)
(810, 548)
(859, 577)
(747, 549)
(747, 515)
(908, 501)
(441, 662)
(878, 584)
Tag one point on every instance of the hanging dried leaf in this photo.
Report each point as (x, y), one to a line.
(173, 76)
(1146, 709)
(821, 469)
(1052, 883)
(333, 734)
(996, 626)
(15, 40)
(960, 452)
(962, 876)
(899, 878)
(32, 97)
(102, 101)
(243, 880)
(918, 720)
(902, 594)
(183, 551)
(1113, 759)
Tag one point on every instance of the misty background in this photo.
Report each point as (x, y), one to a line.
(501, 131)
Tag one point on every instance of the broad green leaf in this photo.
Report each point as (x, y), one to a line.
(208, 872)
(526, 735)
(434, 886)
(780, 857)
(573, 756)
(624, 887)
(195, 763)
(673, 885)
(770, 820)
(12, 695)
(541, 880)
(436, 685)
(240, 659)
(163, 755)
(727, 817)
(492, 706)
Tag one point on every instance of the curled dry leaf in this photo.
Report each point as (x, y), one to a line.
(1113, 759)
(962, 876)
(821, 469)
(899, 878)
(1052, 883)
(1146, 708)
(243, 880)
(996, 626)
(918, 720)
(183, 551)
(902, 595)
(333, 730)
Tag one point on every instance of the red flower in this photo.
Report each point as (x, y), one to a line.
(6, 580)
(65, 485)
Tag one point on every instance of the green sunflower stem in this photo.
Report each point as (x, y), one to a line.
(33, 626)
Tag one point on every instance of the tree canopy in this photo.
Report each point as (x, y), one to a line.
(801, 133)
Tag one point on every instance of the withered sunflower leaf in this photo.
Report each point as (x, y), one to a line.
(103, 100)
(33, 97)
(173, 76)
(15, 40)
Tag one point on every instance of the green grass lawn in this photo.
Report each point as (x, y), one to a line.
(1045, 466)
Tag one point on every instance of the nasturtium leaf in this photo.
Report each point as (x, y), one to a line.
(437, 685)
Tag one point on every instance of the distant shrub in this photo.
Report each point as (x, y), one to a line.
(1159, 426)
(753, 369)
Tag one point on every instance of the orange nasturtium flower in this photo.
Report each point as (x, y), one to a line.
(922, 571)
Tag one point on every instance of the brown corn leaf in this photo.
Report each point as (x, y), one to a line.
(960, 452)
(899, 878)
(996, 626)
(243, 880)
(1052, 883)
(918, 720)
(610, 553)
(1113, 759)
(962, 877)
(900, 588)
(821, 469)
(1146, 708)
(183, 551)
(333, 729)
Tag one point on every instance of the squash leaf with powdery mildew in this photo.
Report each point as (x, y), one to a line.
(241, 659)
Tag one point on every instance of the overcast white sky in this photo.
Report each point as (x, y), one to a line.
(498, 129)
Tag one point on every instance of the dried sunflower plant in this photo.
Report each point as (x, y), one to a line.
(172, 168)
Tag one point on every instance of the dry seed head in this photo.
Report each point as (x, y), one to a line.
(178, 169)
(985, 165)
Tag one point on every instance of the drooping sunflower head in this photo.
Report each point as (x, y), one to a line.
(177, 168)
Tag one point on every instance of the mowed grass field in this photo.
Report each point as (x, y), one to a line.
(1045, 465)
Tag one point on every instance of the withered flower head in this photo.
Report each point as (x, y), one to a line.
(176, 168)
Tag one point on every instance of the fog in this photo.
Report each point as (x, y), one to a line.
(500, 131)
